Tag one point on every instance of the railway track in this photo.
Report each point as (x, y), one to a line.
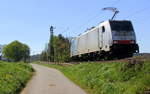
(132, 60)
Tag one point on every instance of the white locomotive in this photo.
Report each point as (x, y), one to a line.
(110, 39)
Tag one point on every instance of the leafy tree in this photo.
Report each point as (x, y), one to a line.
(61, 48)
(25, 52)
(60, 51)
(44, 56)
(16, 51)
(57, 50)
(51, 48)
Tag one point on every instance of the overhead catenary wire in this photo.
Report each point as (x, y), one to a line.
(65, 30)
(115, 2)
(89, 20)
(137, 12)
(140, 20)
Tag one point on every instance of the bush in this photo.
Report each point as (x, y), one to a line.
(13, 77)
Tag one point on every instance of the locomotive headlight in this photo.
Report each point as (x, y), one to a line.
(132, 41)
(115, 41)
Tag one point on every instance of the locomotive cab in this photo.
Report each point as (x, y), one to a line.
(123, 38)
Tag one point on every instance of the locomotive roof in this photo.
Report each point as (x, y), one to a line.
(93, 28)
(101, 23)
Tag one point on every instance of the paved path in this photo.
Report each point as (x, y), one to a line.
(50, 81)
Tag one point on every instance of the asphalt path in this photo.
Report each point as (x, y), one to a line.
(50, 81)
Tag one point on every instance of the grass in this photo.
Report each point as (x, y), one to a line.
(109, 78)
(14, 76)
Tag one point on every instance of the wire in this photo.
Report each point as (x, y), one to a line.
(141, 21)
(89, 20)
(137, 12)
(65, 30)
(115, 2)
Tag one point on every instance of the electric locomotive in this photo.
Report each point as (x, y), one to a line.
(110, 39)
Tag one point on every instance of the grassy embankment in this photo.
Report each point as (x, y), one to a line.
(14, 76)
(109, 78)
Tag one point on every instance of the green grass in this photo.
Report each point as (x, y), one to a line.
(109, 78)
(14, 76)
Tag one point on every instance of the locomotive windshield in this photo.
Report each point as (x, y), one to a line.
(121, 25)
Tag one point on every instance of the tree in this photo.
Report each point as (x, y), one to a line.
(25, 52)
(44, 56)
(57, 50)
(51, 47)
(61, 48)
(16, 51)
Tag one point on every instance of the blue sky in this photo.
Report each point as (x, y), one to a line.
(28, 20)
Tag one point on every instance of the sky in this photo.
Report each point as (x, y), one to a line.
(28, 20)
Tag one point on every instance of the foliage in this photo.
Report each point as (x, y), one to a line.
(16, 51)
(109, 78)
(13, 77)
(51, 47)
(60, 52)
(61, 49)
(44, 56)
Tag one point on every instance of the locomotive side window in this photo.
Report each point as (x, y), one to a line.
(103, 29)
